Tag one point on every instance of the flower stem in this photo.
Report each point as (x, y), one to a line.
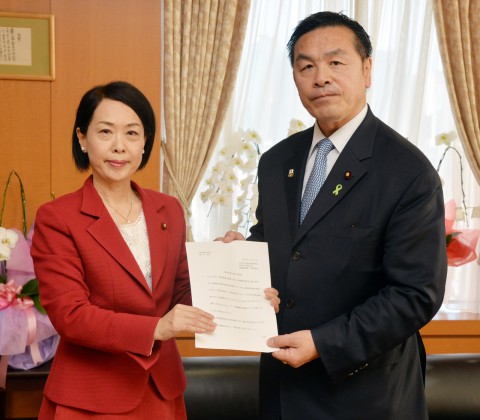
(22, 197)
(3, 271)
(461, 176)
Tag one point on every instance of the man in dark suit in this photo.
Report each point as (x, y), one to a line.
(365, 268)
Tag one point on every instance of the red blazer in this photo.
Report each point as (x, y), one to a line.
(99, 302)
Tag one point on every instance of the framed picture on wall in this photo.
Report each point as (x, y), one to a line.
(27, 46)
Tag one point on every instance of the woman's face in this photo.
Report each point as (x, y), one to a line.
(114, 142)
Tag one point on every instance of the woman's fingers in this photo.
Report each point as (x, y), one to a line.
(184, 319)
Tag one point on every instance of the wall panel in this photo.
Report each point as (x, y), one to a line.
(24, 132)
(96, 42)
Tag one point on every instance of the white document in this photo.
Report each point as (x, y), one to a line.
(228, 281)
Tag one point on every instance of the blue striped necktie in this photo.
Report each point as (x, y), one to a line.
(317, 176)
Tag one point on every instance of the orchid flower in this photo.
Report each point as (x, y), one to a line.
(5, 252)
(446, 138)
(295, 127)
(8, 237)
(233, 177)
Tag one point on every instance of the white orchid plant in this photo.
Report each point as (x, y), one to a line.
(233, 178)
(447, 139)
(11, 292)
(461, 243)
(8, 240)
(28, 338)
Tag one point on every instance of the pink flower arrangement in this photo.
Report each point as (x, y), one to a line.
(10, 295)
(461, 243)
(27, 337)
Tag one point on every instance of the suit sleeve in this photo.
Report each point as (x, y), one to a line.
(414, 272)
(182, 292)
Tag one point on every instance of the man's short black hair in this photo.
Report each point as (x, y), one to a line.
(325, 19)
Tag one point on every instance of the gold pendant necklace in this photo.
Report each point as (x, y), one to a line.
(127, 219)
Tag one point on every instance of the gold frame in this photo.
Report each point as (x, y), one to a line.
(42, 46)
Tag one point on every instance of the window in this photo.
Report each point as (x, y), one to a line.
(408, 93)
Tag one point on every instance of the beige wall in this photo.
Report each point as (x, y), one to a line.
(96, 41)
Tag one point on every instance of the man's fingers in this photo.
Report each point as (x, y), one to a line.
(280, 341)
(271, 292)
(231, 236)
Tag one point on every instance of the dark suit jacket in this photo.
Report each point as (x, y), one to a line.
(99, 302)
(364, 272)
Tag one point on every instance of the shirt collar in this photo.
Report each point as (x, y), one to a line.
(340, 137)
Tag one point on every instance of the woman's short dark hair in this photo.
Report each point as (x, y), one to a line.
(117, 91)
(325, 19)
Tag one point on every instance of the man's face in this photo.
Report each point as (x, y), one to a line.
(330, 76)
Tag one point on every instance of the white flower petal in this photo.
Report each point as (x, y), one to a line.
(459, 214)
(220, 166)
(252, 135)
(446, 138)
(295, 127)
(250, 164)
(5, 252)
(226, 152)
(246, 147)
(10, 238)
(254, 201)
(245, 182)
(205, 195)
(476, 212)
(227, 189)
(230, 176)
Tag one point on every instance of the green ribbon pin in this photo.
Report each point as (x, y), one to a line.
(337, 189)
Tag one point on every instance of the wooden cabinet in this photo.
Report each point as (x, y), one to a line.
(445, 334)
(452, 333)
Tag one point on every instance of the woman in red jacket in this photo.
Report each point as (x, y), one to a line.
(112, 268)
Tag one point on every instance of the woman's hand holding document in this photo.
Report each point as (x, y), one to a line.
(231, 281)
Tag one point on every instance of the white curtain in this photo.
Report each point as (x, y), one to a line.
(408, 93)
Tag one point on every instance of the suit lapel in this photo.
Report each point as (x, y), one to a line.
(293, 172)
(348, 170)
(157, 229)
(107, 234)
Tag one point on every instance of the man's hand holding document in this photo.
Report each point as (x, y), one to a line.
(229, 282)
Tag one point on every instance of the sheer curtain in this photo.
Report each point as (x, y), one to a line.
(265, 98)
(408, 93)
(202, 49)
(460, 56)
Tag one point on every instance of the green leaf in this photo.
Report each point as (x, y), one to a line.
(30, 288)
(38, 305)
(452, 235)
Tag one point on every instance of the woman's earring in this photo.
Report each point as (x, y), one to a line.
(143, 151)
(84, 150)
